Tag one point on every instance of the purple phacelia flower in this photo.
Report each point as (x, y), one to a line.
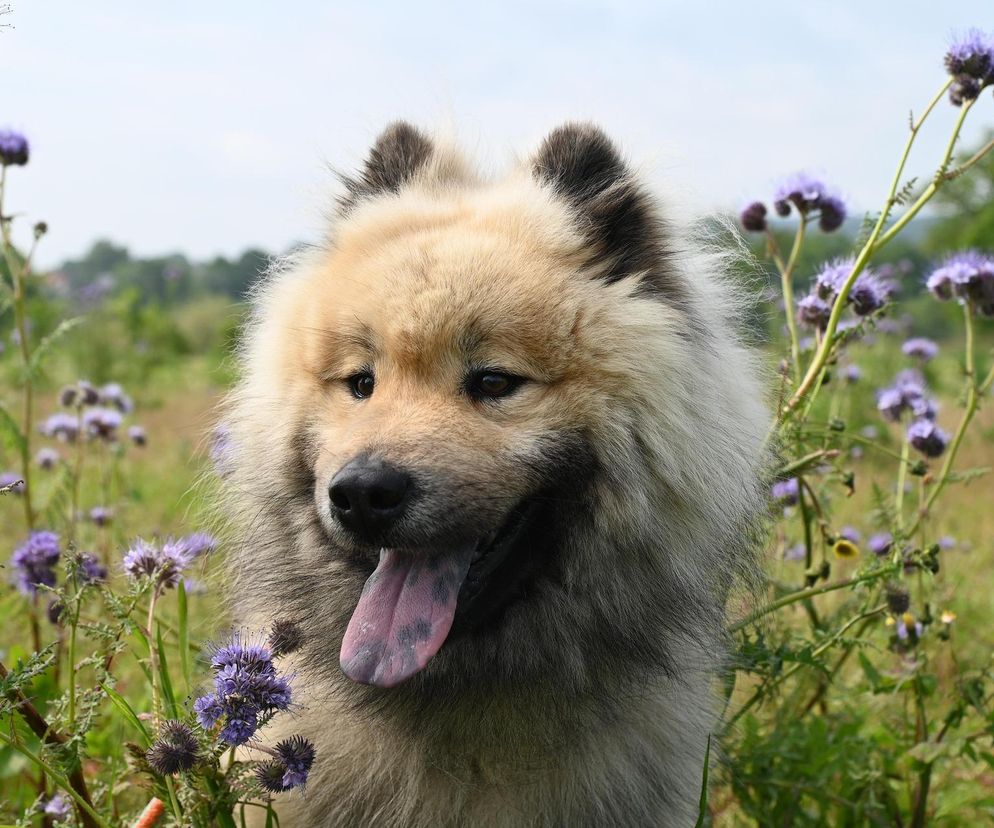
(927, 437)
(101, 515)
(907, 394)
(176, 749)
(296, 755)
(850, 533)
(971, 55)
(814, 312)
(868, 293)
(91, 570)
(47, 458)
(795, 552)
(58, 807)
(947, 542)
(208, 710)
(14, 150)
(807, 194)
(967, 276)
(61, 425)
(12, 482)
(34, 561)
(786, 492)
(852, 374)
(137, 435)
(880, 543)
(240, 726)
(198, 543)
(920, 348)
(269, 775)
(162, 561)
(102, 423)
(753, 217)
(113, 395)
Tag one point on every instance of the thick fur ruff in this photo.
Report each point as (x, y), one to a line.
(587, 699)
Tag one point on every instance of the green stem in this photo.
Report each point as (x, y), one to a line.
(902, 471)
(802, 594)
(787, 286)
(154, 655)
(821, 357)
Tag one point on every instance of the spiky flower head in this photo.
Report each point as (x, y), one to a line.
(161, 561)
(808, 194)
(908, 393)
(753, 217)
(137, 435)
(868, 293)
(269, 775)
(971, 56)
(47, 458)
(58, 807)
(61, 425)
(34, 561)
(898, 598)
(101, 515)
(102, 424)
(880, 543)
(175, 750)
(920, 348)
(197, 544)
(967, 276)
(14, 150)
(814, 312)
(113, 395)
(285, 636)
(297, 756)
(91, 570)
(786, 491)
(927, 437)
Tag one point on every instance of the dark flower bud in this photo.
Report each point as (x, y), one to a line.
(175, 750)
(269, 775)
(898, 599)
(753, 217)
(13, 149)
(88, 394)
(833, 213)
(40, 229)
(54, 612)
(782, 207)
(963, 89)
(297, 756)
(67, 396)
(285, 637)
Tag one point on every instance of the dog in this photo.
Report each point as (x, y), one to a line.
(497, 447)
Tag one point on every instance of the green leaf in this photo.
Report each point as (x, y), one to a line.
(167, 686)
(184, 635)
(128, 712)
(13, 438)
(49, 342)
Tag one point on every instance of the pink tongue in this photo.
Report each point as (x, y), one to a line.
(403, 615)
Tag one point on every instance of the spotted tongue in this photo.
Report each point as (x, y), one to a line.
(403, 615)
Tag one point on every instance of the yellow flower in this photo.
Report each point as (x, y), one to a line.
(908, 619)
(846, 550)
(947, 617)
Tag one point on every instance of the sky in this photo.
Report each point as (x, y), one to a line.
(207, 128)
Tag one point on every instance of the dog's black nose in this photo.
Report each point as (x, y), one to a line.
(369, 496)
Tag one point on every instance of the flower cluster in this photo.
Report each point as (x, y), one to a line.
(970, 60)
(247, 687)
(294, 757)
(927, 437)
(969, 277)
(34, 561)
(13, 149)
(907, 394)
(166, 560)
(920, 348)
(868, 294)
(803, 192)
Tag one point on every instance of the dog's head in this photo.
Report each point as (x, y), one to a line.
(496, 394)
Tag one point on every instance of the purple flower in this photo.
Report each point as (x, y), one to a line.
(807, 194)
(47, 458)
(786, 492)
(101, 515)
(197, 544)
(868, 293)
(814, 311)
(880, 543)
(971, 55)
(753, 217)
(920, 348)
(969, 277)
(175, 750)
(14, 149)
(269, 775)
(113, 395)
(58, 807)
(91, 570)
(102, 423)
(852, 374)
(297, 755)
(62, 425)
(927, 437)
(162, 561)
(34, 560)
(907, 394)
(208, 710)
(795, 552)
(850, 533)
(947, 542)
(137, 435)
(12, 482)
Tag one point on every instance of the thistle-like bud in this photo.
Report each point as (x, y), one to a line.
(898, 599)
(285, 637)
(175, 750)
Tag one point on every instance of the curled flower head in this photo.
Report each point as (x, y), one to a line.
(102, 423)
(175, 750)
(753, 217)
(285, 637)
(814, 311)
(786, 492)
(62, 425)
(927, 437)
(967, 276)
(12, 482)
(91, 570)
(971, 56)
(113, 395)
(880, 543)
(907, 394)
(269, 775)
(14, 150)
(296, 755)
(808, 194)
(163, 562)
(47, 458)
(101, 515)
(920, 348)
(137, 435)
(868, 293)
(34, 561)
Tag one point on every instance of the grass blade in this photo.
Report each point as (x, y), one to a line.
(184, 636)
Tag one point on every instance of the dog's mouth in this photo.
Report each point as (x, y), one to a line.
(411, 602)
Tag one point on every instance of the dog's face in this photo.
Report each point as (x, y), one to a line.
(473, 377)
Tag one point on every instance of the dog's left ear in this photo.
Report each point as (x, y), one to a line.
(618, 215)
(398, 154)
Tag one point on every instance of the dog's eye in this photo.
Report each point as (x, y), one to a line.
(491, 385)
(361, 385)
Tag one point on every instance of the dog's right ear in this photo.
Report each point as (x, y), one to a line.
(400, 152)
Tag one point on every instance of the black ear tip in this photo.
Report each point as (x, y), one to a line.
(402, 133)
(578, 155)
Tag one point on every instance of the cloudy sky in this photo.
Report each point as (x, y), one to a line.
(208, 127)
